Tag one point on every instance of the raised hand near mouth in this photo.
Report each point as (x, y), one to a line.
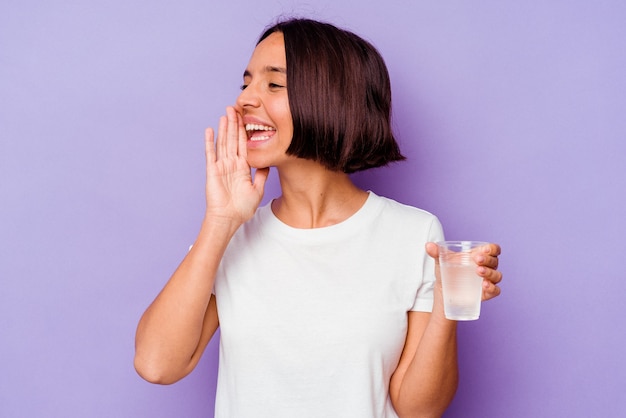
(231, 193)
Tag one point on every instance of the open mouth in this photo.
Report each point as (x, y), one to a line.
(258, 132)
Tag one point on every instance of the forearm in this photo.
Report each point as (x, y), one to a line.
(170, 333)
(428, 384)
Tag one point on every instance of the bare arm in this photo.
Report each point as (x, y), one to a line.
(426, 378)
(175, 329)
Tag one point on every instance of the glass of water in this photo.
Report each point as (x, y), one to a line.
(462, 286)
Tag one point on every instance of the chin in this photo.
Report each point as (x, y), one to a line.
(257, 163)
(259, 166)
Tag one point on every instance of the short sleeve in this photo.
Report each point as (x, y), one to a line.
(424, 297)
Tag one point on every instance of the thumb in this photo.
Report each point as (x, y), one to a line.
(260, 177)
(433, 251)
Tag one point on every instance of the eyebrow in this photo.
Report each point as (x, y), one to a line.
(268, 69)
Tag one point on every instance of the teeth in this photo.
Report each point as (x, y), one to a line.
(259, 138)
(255, 127)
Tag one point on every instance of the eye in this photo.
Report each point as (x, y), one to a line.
(243, 87)
(275, 86)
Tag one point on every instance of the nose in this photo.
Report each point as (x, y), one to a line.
(248, 98)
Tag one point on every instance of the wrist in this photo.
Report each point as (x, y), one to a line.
(214, 223)
(438, 312)
(216, 231)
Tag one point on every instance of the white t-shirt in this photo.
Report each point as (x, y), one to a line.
(313, 321)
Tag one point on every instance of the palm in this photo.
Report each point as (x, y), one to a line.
(231, 192)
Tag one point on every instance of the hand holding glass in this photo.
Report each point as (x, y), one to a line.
(462, 286)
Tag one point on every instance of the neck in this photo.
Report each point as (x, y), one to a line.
(314, 197)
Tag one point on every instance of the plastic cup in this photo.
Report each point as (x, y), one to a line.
(462, 286)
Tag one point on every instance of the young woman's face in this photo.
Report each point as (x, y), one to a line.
(264, 104)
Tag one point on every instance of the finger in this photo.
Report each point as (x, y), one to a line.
(233, 131)
(488, 256)
(209, 145)
(490, 290)
(486, 261)
(243, 137)
(493, 276)
(221, 137)
(492, 249)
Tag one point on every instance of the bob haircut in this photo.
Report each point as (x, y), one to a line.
(339, 96)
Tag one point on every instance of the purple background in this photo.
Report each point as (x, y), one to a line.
(511, 114)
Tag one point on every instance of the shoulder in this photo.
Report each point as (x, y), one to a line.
(406, 220)
(393, 208)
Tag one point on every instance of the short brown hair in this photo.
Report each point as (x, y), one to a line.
(339, 95)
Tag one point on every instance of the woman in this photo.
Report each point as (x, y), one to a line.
(327, 298)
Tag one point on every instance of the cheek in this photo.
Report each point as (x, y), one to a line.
(285, 120)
